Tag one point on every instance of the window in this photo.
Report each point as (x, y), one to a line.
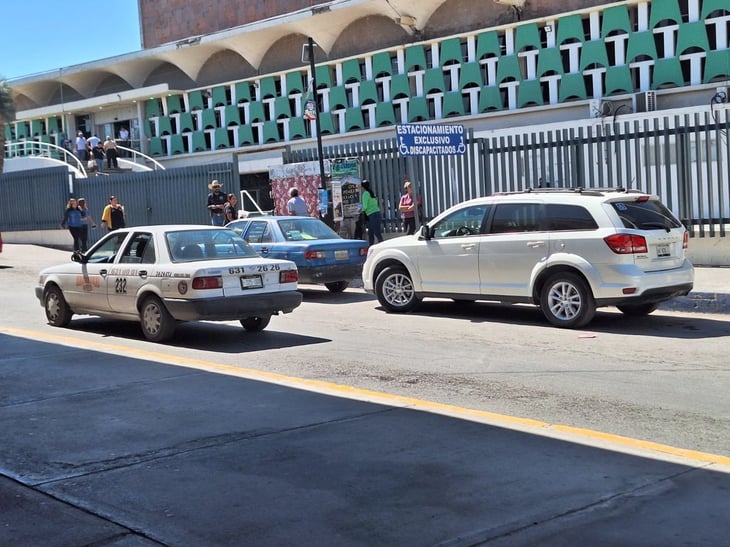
(463, 222)
(259, 232)
(644, 215)
(516, 217)
(139, 250)
(108, 250)
(568, 217)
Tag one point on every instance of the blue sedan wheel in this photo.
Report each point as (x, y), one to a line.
(337, 286)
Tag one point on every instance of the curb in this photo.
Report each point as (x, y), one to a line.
(699, 302)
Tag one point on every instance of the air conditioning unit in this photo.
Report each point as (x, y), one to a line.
(645, 102)
(515, 3)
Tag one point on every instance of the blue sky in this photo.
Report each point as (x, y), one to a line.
(42, 35)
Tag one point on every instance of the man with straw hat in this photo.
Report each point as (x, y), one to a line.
(217, 204)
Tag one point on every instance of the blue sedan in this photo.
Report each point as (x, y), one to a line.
(320, 254)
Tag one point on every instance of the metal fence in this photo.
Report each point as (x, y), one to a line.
(683, 158)
(35, 200)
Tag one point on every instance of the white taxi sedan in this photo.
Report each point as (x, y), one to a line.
(161, 275)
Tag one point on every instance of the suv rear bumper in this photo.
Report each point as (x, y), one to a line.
(650, 296)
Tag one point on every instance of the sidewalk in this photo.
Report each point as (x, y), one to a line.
(711, 293)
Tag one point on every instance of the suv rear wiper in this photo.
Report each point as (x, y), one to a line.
(660, 225)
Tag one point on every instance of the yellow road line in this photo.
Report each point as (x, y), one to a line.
(350, 392)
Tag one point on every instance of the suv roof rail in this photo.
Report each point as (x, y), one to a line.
(573, 190)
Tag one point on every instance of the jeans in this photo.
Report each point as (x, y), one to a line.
(409, 224)
(77, 234)
(218, 220)
(374, 228)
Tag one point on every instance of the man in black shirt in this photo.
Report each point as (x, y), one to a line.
(217, 204)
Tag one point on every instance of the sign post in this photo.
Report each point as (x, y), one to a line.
(420, 139)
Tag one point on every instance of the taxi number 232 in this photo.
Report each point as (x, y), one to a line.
(260, 268)
(120, 285)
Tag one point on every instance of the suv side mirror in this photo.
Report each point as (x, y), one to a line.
(426, 232)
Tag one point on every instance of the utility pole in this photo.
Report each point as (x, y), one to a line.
(320, 154)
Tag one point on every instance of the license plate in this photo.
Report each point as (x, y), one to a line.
(662, 250)
(251, 282)
(341, 255)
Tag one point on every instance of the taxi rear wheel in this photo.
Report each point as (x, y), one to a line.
(157, 323)
(256, 323)
(57, 309)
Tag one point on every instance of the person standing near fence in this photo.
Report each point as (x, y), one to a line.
(86, 222)
(72, 221)
(231, 208)
(113, 216)
(407, 207)
(217, 204)
(371, 209)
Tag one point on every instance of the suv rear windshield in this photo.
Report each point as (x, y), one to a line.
(645, 215)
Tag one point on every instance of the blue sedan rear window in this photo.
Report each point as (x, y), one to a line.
(301, 229)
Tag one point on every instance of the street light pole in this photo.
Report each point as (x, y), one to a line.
(320, 153)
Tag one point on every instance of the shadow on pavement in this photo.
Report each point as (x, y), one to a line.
(102, 448)
(607, 320)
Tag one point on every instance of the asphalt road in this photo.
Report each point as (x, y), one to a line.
(662, 378)
(343, 425)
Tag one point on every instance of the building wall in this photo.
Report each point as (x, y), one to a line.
(164, 21)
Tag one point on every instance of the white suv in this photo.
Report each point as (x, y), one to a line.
(567, 251)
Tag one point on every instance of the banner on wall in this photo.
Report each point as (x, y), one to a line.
(346, 179)
(305, 177)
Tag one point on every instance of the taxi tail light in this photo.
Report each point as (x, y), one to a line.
(685, 240)
(626, 244)
(314, 255)
(208, 282)
(288, 276)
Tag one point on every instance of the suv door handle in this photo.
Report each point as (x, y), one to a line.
(535, 244)
(468, 246)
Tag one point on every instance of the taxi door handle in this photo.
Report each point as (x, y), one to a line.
(535, 244)
(264, 250)
(143, 273)
(103, 273)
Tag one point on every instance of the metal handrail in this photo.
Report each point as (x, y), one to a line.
(145, 157)
(245, 193)
(34, 145)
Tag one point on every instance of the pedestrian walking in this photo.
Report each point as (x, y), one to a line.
(86, 223)
(113, 216)
(72, 221)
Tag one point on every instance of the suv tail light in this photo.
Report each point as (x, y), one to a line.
(685, 240)
(626, 244)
